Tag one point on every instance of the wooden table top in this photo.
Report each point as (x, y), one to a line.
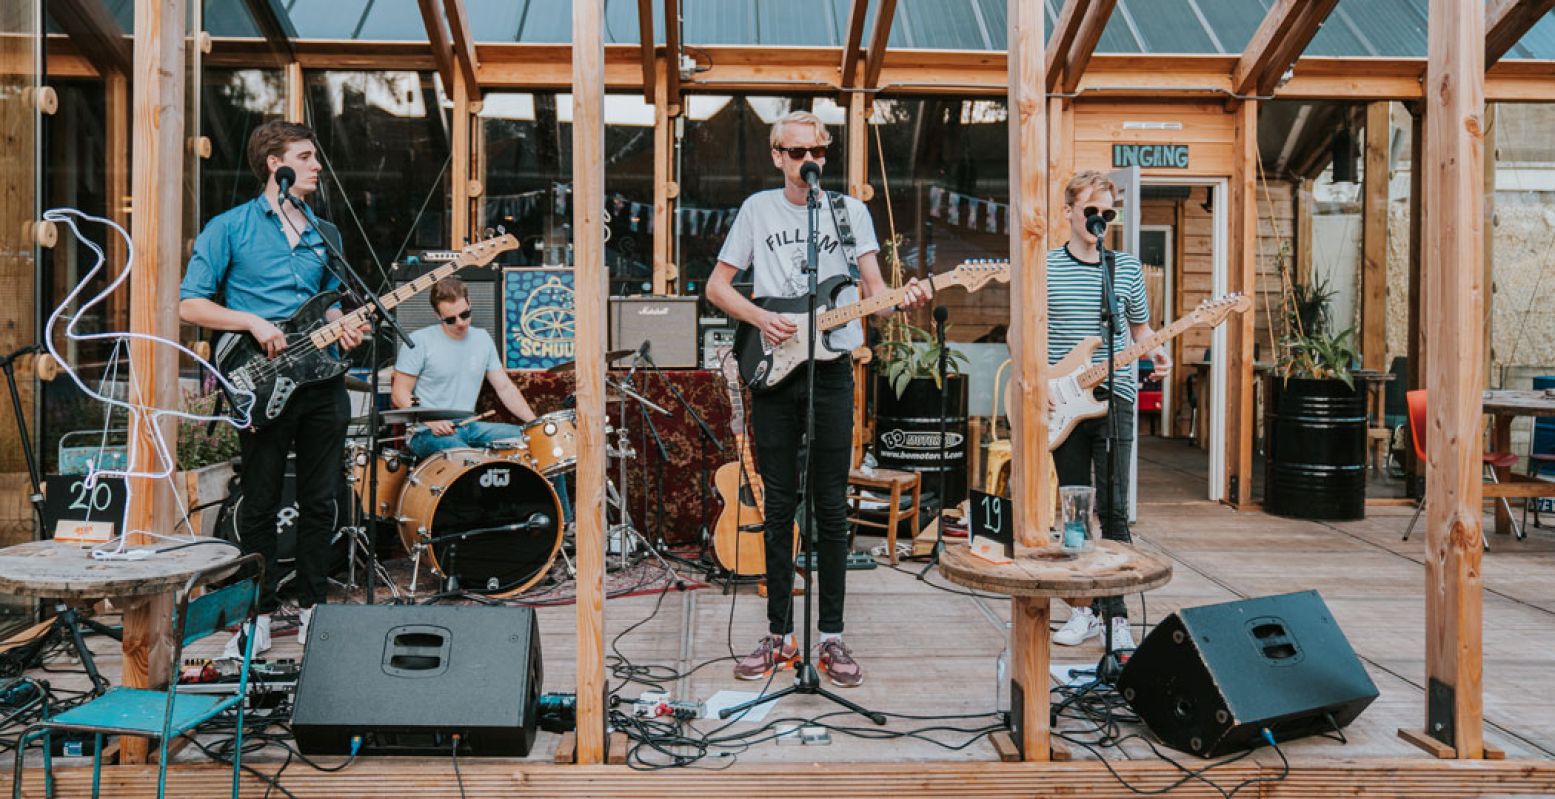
(1510, 402)
(67, 571)
(1110, 569)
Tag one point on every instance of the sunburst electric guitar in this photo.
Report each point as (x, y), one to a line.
(739, 537)
(310, 356)
(764, 366)
(1071, 395)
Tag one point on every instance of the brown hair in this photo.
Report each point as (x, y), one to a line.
(1086, 182)
(272, 138)
(447, 290)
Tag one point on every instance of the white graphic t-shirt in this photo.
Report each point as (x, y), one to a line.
(769, 233)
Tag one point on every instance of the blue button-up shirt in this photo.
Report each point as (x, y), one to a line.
(265, 275)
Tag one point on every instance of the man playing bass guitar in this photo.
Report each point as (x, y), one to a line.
(769, 238)
(254, 265)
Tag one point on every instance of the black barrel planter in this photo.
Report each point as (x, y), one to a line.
(907, 432)
(1315, 449)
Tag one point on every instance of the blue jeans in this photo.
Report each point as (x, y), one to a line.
(481, 434)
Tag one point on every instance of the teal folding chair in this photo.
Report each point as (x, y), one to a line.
(163, 714)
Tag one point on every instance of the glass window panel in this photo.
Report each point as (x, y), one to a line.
(225, 18)
(393, 22)
(1234, 21)
(1170, 26)
(233, 103)
(336, 19)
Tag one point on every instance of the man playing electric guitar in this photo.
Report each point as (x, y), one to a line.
(769, 237)
(253, 266)
(1075, 282)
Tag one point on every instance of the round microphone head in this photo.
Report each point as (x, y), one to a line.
(810, 171)
(285, 175)
(1096, 225)
(941, 313)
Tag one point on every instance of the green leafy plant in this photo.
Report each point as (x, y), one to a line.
(198, 444)
(915, 355)
(1308, 348)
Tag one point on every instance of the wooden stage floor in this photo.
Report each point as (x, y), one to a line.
(929, 652)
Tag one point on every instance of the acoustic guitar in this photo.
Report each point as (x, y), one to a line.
(739, 536)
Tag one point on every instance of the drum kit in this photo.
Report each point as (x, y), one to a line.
(488, 520)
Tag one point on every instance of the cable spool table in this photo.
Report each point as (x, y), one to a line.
(1031, 580)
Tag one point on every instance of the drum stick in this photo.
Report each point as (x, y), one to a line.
(474, 419)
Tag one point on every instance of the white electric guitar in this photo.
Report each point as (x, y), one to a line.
(1071, 394)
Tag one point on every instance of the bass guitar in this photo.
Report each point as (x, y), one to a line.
(764, 366)
(739, 537)
(1071, 395)
(266, 384)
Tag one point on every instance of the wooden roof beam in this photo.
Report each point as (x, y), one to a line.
(852, 45)
(96, 33)
(1280, 39)
(275, 25)
(874, 57)
(1078, 55)
(645, 41)
(464, 46)
(437, 36)
(1506, 21)
(1069, 19)
(672, 51)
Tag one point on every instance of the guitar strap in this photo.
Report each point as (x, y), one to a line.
(844, 232)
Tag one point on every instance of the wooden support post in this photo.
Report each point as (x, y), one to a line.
(296, 93)
(1243, 277)
(1302, 188)
(1028, 271)
(857, 131)
(22, 66)
(459, 186)
(1029, 669)
(1374, 237)
(1490, 250)
(1452, 246)
(116, 168)
(158, 166)
(666, 276)
(588, 203)
(1417, 288)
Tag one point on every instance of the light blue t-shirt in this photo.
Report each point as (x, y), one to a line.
(448, 372)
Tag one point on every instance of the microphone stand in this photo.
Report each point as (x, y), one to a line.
(649, 429)
(941, 313)
(706, 436)
(807, 680)
(8, 363)
(1109, 325)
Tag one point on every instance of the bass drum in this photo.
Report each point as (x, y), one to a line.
(483, 518)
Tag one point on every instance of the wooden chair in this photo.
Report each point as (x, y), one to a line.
(897, 484)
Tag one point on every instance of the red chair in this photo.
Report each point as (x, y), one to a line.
(1490, 460)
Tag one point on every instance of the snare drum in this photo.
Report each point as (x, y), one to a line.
(485, 519)
(553, 443)
(392, 466)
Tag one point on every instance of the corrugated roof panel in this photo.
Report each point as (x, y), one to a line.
(1116, 37)
(1335, 38)
(229, 18)
(719, 22)
(799, 23)
(541, 21)
(1393, 28)
(1168, 26)
(1234, 21)
(937, 25)
(390, 21)
(1538, 42)
(336, 19)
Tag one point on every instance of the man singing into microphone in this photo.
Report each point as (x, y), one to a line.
(253, 266)
(1076, 276)
(769, 236)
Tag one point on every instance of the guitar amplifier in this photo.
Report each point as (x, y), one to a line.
(668, 324)
(717, 338)
(416, 312)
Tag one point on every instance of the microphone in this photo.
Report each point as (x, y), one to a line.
(285, 178)
(536, 520)
(810, 172)
(1095, 225)
(941, 313)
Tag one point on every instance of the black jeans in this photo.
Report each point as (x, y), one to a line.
(1082, 452)
(779, 422)
(315, 423)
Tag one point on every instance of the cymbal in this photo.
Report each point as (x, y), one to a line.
(610, 357)
(418, 414)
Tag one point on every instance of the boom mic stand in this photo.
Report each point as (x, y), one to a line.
(1105, 671)
(706, 436)
(8, 363)
(807, 680)
(941, 313)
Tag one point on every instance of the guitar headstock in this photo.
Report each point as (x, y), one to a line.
(730, 366)
(483, 252)
(972, 275)
(1215, 310)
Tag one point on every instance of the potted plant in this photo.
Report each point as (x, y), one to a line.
(907, 401)
(205, 462)
(1315, 418)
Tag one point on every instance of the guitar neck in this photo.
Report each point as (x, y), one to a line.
(330, 333)
(1093, 375)
(748, 468)
(837, 317)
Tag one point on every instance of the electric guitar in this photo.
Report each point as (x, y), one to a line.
(739, 536)
(309, 357)
(1070, 395)
(764, 366)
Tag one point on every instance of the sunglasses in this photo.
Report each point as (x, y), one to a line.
(1106, 216)
(448, 320)
(797, 153)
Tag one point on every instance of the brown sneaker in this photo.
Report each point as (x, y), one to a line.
(838, 664)
(771, 654)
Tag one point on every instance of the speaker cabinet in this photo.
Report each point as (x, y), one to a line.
(407, 678)
(416, 312)
(668, 324)
(1207, 680)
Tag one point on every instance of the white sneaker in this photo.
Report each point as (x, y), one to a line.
(1082, 624)
(1122, 635)
(304, 617)
(234, 648)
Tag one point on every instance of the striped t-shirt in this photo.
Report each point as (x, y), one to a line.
(1074, 307)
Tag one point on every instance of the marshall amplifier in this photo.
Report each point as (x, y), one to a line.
(668, 324)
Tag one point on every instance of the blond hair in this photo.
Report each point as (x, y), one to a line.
(799, 118)
(1086, 182)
